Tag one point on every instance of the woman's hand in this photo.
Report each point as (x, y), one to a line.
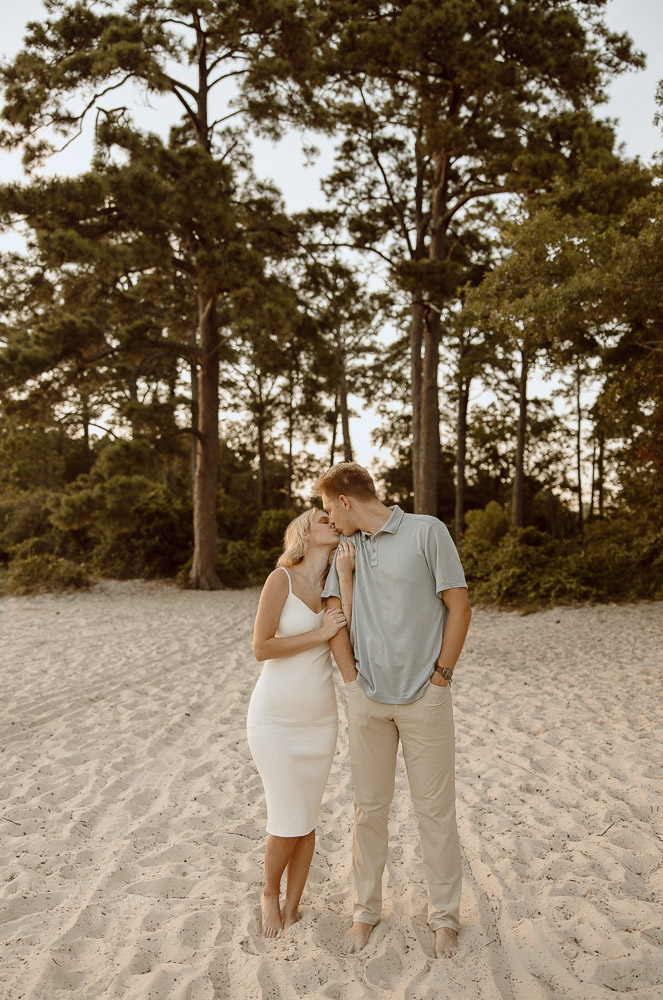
(345, 559)
(332, 622)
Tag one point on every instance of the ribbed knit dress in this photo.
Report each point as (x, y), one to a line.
(292, 725)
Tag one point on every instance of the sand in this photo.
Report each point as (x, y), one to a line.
(132, 817)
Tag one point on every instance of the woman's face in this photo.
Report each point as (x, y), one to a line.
(322, 532)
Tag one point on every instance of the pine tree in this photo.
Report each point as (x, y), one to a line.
(151, 211)
(440, 105)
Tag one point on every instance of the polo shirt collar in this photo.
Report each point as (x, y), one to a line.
(390, 526)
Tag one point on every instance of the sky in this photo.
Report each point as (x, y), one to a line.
(631, 103)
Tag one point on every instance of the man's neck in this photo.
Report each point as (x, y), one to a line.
(373, 518)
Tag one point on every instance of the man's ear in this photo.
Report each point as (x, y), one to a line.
(346, 501)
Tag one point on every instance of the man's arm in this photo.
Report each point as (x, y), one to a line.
(455, 630)
(341, 648)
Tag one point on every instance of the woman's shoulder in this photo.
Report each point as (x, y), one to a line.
(278, 579)
(274, 592)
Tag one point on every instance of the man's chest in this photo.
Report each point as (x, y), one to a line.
(379, 562)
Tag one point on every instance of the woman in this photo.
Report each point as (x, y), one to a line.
(292, 720)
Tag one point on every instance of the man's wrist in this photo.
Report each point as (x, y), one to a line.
(445, 672)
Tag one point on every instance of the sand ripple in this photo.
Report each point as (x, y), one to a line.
(132, 818)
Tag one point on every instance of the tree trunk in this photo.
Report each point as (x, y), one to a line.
(291, 431)
(332, 453)
(593, 486)
(581, 523)
(262, 461)
(600, 471)
(518, 494)
(461, 451)
(193, 367)
(345, 418)
(203, 574)
(429, 452)
(416, 340)
(85, 419)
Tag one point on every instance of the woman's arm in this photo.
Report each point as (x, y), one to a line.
(345, 564)
(265, 644)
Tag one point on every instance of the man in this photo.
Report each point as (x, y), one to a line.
(409, 620)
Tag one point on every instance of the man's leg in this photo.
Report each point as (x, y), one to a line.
(427, 734)
(373, 747)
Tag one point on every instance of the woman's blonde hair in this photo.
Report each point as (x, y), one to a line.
(295, 540)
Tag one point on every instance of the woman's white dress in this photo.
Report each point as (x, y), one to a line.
(292, 725)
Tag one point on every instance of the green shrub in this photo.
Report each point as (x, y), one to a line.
(621, 559)
(24, 516)
(269, 529)
(126, 526)
(236, 565)
(624, 557)
(248, 562)
(31, 574)
(137, 457)
(485, 529)
(140, 530)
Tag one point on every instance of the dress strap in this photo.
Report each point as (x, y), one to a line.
(289, 578)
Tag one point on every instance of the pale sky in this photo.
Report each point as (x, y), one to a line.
(631, 103)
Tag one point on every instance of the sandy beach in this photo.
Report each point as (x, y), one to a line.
(132, 816)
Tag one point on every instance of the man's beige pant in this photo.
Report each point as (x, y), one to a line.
(426, 730)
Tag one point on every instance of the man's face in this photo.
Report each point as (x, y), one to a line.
(340, 514)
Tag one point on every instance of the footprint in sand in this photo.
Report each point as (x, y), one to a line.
(385, 970)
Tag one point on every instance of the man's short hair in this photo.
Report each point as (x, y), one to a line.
(346, 479)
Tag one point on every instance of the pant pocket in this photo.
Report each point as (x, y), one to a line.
(437, 694)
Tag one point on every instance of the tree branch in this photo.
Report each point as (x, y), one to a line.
(190, 430)
(104, 429)
(174, 20)
(353, 246)
(184, 267)
(225, 55)
(374, 154)
(189, 111)
(481, 193)
(225, 118)
(176, 347)
(81, 117)
(225, 76)
(178, 83)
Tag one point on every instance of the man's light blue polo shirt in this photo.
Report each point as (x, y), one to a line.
(398, 616)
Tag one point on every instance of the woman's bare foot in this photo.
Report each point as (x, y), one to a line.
(356, 938)
(290, 917)
(446, 942)
(272, 922)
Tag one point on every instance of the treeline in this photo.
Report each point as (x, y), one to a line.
(174, 344)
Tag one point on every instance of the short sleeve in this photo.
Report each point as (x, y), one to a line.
(443, 559)
(332, 586)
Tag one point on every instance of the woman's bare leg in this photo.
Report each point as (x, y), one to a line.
(278, 853)
(298, 869)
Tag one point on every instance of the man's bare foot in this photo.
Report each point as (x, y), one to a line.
(446, 942)
(356, 938)
(272, 922)
(290, 917)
